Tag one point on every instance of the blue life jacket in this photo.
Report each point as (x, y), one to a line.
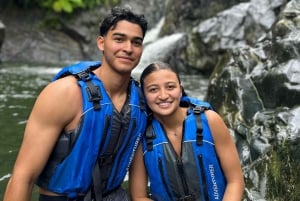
(195, 175)
(70, 168)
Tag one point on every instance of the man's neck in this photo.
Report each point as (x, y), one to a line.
(113, 81)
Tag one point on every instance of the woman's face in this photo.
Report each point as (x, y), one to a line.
(163, 92)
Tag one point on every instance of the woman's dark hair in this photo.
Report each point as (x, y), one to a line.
(117, 14)
(155, 66)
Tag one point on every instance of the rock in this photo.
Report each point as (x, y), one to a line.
(257, 93)
(2, 35)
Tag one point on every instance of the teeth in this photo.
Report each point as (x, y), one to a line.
(164, 104)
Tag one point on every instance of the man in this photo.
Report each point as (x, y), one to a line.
(84, 129)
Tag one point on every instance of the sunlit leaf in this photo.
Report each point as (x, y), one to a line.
(77, 3)
(57, 6)
(67, 6)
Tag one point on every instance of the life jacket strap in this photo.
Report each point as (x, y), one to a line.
(141, 96)
(93, 91)
(187, 198)
(95, 192)
(199, 133)
(94, 94)
(150, 135)
(197, 110)
(106, 160)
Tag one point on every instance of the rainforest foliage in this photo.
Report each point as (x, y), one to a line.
(60, 6)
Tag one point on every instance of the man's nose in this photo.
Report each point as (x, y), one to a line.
(128, 46)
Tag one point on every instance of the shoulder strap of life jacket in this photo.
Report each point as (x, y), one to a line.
(150, 135)
(93, 91)
(83, 71)
(199, 133)
(197, 110)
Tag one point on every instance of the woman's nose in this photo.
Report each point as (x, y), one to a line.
(163, 94)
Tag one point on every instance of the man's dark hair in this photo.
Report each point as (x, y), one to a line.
(117, 14)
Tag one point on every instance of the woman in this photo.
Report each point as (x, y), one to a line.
(187, 152)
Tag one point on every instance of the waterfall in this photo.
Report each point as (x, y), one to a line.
(156, 48)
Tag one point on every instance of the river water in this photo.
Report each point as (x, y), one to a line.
(19, 87)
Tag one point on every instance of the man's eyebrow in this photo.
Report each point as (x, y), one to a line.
(123, 35)
(118, 34)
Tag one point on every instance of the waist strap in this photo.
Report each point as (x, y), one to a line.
(59, 198)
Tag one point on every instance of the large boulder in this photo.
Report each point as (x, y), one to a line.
(258, 94)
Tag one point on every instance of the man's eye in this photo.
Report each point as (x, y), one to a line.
(137, 43)
(119, 39)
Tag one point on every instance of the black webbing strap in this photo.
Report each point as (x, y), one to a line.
(93, 91)
(95, 192)
(141, 96)
(94, 94)
(150, 135)
(197, 111)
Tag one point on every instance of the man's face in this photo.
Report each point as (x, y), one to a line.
(122, 46)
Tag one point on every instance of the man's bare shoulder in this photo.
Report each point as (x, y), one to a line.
(62, 93)
(63, 87)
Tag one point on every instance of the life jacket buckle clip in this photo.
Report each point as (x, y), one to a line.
(187, 198)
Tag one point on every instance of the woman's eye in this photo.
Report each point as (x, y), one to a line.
(170, 87)
(152, 90)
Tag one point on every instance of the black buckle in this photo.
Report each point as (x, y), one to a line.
(187, 198)
(106, 160)
(83, 75)
(198, 109)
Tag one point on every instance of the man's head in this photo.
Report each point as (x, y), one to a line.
(117, 14)
(121, 40)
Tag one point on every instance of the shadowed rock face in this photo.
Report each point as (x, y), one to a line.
(258, 94)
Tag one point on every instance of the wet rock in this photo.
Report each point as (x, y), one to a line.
(2, 34)
(261, 86)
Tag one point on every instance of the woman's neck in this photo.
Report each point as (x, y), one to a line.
(173, 122)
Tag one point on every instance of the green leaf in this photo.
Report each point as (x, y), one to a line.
(62, 5)
(57, 7)
(77, 3)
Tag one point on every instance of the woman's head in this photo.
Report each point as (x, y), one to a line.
(156, 66)
(162, 88)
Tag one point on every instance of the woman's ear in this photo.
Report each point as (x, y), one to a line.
(181, 90)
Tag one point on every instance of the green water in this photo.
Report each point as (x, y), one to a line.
(19, 87)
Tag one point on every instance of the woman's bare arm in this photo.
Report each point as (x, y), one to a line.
(228, 155)
(138, 177)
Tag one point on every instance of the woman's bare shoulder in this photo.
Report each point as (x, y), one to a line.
(213, 116)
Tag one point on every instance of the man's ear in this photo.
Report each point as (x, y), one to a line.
(100, 43)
